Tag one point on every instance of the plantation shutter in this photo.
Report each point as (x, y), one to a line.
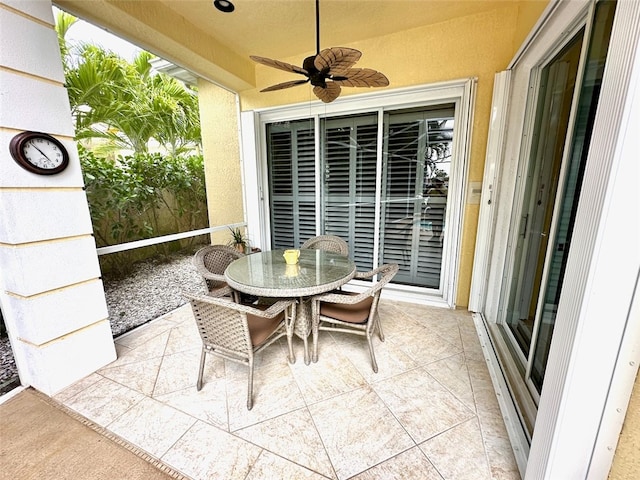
(291, 163)
(349, 184)
(415, 183)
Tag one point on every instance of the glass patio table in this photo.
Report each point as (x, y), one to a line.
(266, 274)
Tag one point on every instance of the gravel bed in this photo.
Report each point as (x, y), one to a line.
(151, 290)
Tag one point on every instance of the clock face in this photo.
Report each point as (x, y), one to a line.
(39, 153)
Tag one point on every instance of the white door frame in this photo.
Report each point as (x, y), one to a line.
(574, 436)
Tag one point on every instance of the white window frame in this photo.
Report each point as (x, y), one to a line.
(459, 92)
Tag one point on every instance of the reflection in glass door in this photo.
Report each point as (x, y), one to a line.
(415, 187)
(551, 195)
(587, 105)
(556, 92)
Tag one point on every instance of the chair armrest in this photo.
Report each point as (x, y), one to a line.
(365, 275)
(388, 272)
(341, 298)
(270, 312)
(211, 276)
(221, 292)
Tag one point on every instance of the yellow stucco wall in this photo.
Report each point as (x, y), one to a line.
(626, 463)
(472, 46)
(221, 148)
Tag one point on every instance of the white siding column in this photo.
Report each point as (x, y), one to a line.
(51, 293)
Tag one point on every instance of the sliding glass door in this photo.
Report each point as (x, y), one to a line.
(348, 183)
(387, 199)
(547, 192)
(557, 84)
(415, 179)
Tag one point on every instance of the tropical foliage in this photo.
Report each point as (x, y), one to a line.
(126, 104)
(119, 109)
(142, 196)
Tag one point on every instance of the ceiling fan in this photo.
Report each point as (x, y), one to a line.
(327, 70)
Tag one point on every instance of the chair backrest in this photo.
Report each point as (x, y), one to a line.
(386, 272)
(215, 259)
(330, 243)
(222, 326)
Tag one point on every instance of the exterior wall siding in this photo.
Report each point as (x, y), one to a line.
(51, 293)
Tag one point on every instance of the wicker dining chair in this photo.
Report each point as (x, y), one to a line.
(330, 243)
(355, 313)
(211, 262)
(237, 332)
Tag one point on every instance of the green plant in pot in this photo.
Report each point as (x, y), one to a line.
(238, 240)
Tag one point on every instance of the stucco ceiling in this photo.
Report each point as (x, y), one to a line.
(215, 45)
(283, 28)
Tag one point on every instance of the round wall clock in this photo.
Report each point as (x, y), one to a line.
(39, 153)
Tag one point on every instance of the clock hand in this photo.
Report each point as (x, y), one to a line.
(43, 154)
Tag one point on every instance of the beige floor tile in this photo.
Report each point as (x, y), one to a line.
(409, 465)
(502, 462)
(448, 328)
(483, 389)
(358, 431)
(424, 346)
(274, 392)
(391, 359)
(142, 347)
(309, 421)
(269, 466)
(183, 337)
(452, 373)
(152, 425)
(471, 345)
(68, 393)
(332, 375)
(424, 315)
(140, 376)
(208, 405)
(404, 325)
(423, 406)
(177, 372)
(104, 401)
(206, 452)
(214, 368)
(459, 453)
(294, 437)
(146, 332)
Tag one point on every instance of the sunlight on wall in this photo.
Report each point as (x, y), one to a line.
(220, 143)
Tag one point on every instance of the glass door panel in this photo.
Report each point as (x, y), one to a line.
(415, 179)
(557, 84)
(349, 166)
(291, 163)
(551, 193)
(587, 104)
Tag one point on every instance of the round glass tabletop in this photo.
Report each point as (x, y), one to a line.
(267, 274)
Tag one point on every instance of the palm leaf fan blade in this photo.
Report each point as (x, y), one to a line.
(329, 93)
(337, 60)
(283, 85)
(287, 67)
(363, 77)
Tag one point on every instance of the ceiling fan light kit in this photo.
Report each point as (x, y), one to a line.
(328, 70)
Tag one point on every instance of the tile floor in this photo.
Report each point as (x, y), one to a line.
(430, 412)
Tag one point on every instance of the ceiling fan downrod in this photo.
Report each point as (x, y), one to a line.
(317, 27)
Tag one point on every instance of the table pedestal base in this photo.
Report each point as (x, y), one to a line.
(300, 326)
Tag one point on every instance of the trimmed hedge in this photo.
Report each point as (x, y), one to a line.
(143, 195)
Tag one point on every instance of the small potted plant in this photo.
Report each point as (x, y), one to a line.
(238, 240)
